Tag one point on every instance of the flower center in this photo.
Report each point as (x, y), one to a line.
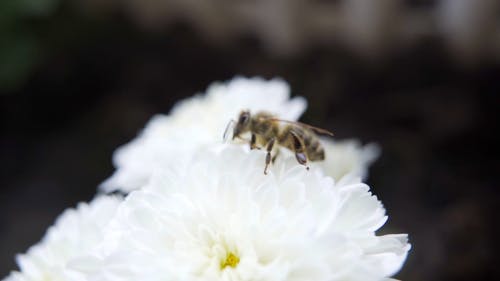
(231, 260)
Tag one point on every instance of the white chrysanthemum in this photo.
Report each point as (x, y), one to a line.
(348, 158)
(221, 218)
(195, 122)
(75, 232)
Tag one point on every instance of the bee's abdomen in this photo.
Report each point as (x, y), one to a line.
(315, 151)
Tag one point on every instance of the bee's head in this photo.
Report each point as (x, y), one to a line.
(243, 124)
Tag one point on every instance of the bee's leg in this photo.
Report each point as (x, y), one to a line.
(302, 159)
(275, 156)
(299, 150)
(269, 148)
(253, 140)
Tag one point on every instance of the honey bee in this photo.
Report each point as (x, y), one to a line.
(267, 130)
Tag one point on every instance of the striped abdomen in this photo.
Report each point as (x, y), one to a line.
(314, 149)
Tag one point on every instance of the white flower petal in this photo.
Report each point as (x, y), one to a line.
(194, 123)
(75, 232)
(348, 158)
(291, 224)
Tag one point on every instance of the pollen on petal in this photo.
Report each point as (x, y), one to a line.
(231, 260)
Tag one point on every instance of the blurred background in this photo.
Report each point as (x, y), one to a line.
(78, 78)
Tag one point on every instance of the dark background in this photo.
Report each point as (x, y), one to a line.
(77, 82)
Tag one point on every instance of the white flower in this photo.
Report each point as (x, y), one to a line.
(75, 232)
(196, 122)
(348, 158)
(221, 218)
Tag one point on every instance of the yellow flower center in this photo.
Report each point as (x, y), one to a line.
(231, 260)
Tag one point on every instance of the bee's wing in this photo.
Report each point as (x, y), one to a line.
(229, 128)
(314, 129)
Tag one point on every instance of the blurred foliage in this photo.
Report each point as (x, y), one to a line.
(21, 46)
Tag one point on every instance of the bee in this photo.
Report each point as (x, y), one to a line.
(267, 131)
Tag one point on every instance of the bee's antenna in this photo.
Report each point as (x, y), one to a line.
(229, 125)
